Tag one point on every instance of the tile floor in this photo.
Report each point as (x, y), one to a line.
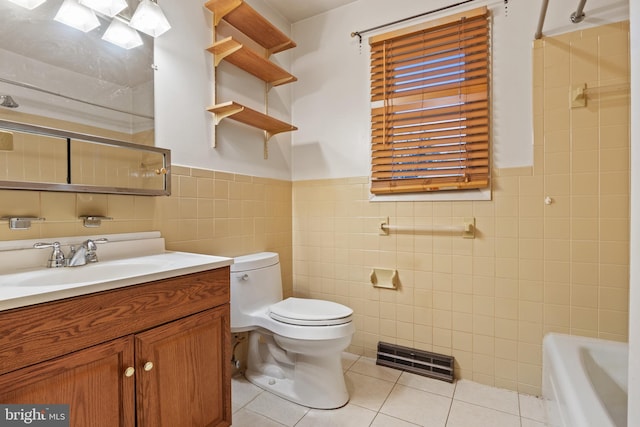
(385, 397)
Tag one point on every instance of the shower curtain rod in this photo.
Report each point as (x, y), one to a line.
(48, 92)
(361, 32)
(576, 17)
(543, 14)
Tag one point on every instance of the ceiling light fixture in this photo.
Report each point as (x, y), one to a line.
(149, 19)
(75, 15)
(28, 4)
(120, 34)
(107, 7)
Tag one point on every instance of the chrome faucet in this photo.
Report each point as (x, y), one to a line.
(86, 253)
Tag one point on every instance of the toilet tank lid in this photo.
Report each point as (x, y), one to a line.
(254, 261)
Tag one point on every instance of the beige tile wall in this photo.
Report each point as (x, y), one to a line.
(227, 214)
(61, 210)
(208, 212)
(34, 158)
(533, 268)
(111, 166)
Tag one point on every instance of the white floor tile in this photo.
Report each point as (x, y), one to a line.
(412, 401)
(277, 409)
(242, 391)
(246, 418)
(347, 416)
(526, 422)
(367, 366)
(489, 397)
(532, 407)
(427, 384)
(383, 420)
(466, 415)
(366, 391)
(348, 359)
(416, 406)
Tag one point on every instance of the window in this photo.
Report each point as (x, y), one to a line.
(430, 106)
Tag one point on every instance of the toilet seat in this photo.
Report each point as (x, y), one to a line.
(310, 312)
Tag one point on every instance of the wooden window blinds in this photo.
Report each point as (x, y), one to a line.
(430, 106)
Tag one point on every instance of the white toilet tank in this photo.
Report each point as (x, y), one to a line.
(256, 283)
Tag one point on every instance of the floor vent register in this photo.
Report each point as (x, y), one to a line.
(419, 362)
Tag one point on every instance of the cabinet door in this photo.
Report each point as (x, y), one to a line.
(184, 372)
(91, 381)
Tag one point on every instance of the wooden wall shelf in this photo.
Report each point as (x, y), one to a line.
(244, 18)
(236, 53)
(242, 114)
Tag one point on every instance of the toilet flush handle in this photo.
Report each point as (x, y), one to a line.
(245, 276)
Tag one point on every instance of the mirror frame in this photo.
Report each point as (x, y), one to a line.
(83, 188)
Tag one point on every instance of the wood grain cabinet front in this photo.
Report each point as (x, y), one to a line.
(91, 381)
(171, 371)
(180, 367)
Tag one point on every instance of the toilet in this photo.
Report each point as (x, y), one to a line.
(295, 344)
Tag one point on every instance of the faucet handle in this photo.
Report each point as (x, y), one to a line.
(91, 248)
(90, 244)
(57, 256)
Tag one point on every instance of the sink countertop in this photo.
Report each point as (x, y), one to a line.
(23, 288)
(28, 284)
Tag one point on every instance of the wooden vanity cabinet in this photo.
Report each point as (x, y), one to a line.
(155, 354)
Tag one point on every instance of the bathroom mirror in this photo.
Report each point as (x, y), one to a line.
(39, 158)
(76, 111)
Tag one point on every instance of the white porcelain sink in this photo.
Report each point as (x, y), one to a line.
(33, 286)
(101, 272)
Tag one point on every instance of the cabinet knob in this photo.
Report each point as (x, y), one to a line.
(148, 366)
(129, 371)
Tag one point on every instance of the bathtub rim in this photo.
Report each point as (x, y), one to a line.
(571, 379)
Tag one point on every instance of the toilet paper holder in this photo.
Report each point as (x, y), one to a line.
(384, 278)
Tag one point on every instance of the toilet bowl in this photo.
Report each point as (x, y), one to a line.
(295, 344)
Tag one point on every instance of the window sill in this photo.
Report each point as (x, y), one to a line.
(438, 196)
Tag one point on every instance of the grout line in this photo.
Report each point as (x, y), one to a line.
(455, 387)
(395, 383)
(519, 410)
(490, 408)
(269, 418)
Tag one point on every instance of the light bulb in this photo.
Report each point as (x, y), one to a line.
(122, 35)
(75, 15)
(149, 19)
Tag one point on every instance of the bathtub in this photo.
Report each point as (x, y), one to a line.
(584, 381)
